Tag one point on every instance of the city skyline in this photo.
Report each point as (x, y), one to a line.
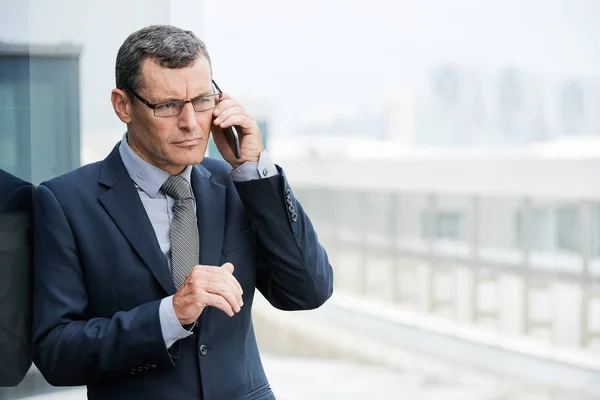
(367, 48)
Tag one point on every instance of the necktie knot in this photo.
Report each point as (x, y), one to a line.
(177, 187)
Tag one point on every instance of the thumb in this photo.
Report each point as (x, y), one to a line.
(228, 267)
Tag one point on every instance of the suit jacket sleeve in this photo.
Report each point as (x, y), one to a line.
(293, 268)
(15, 285)
(69, 346)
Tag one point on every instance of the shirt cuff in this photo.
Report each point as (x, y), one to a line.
(172, 330)
(248, 171)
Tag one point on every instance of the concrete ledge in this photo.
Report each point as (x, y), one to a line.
(345, 333)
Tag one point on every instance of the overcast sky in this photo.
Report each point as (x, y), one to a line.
(310, 56)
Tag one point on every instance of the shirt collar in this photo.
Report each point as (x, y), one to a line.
(148, 177)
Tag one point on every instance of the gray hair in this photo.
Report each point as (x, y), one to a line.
(169, 46)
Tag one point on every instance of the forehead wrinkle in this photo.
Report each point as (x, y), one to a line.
(159, 80)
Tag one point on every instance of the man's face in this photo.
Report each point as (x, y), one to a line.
(171, 143)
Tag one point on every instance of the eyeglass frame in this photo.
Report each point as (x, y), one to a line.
(153, 106)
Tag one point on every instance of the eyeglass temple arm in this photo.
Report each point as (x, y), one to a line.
(217, 87)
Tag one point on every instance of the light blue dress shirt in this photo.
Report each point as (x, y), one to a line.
(148, 180)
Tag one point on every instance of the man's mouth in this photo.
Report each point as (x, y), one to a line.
(188, 142)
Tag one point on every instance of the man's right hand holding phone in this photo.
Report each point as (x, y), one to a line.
(227, 113)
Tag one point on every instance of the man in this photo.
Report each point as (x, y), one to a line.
(145, 263)
(15, 278)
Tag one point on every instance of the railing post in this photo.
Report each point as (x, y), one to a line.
(431, 236)
(585, 218)
(365, 215)
(393, 247)
(526, 249)
(474, 257)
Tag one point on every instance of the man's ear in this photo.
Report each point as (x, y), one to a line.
(121, 104)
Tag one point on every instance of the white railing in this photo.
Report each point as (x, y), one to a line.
(523, 292)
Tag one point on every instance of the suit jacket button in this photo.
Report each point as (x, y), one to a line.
(294, 217)
(203, 350)
(289, 200)
(288, 192)
(292, 209)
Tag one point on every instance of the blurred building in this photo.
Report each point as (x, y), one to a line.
(462, 107)
(465, 107)
(510, 107)
(451, 110)
(574, 108)
(39, 110)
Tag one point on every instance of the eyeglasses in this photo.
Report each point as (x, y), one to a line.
(174, 107)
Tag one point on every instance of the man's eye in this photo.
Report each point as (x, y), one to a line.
(167, 105)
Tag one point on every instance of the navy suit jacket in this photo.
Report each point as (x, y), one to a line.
(99, 277)
(15, 278)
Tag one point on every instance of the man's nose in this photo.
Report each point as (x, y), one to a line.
(187, 117)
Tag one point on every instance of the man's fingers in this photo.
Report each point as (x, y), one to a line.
(235, 288)
(224, 290)
(216, 287)
(225, 102)
(240, 120)
(225, 113)
(228, 267)
(214, 300)
(220, 281)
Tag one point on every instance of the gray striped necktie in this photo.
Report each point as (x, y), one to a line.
(185, 242)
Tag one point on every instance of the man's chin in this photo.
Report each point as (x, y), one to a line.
(191, 158)
(189, 161)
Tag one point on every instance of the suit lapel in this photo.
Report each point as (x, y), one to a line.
(122, 202)
(210, 212)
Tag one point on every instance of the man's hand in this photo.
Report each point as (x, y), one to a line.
(228, 113)
(207, 286)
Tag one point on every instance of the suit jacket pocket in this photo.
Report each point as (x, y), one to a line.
(238, 240)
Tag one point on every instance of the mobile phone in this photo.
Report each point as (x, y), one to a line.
(231, 133)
